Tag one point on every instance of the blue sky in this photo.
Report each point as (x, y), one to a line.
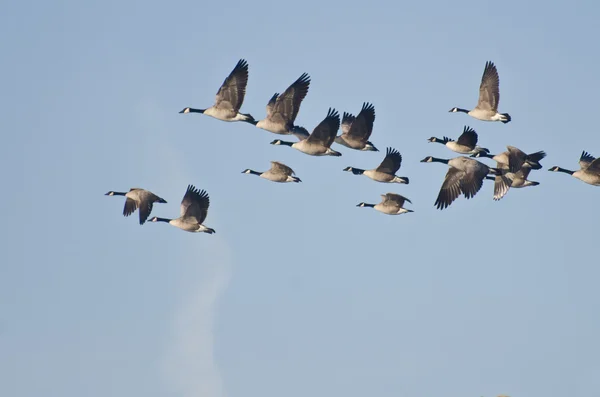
(299, 292)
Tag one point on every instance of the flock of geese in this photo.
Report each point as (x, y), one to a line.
(465, 175)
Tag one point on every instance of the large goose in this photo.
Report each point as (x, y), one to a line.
(229, 97)
(357, 130)
(489, 98)
(391, 204)
(465, 175)
(194, 208)
(283, 109)
(386, 171)
(278, 172)
(319, 142)
(589, 171)
(138, 198)
(465, 144)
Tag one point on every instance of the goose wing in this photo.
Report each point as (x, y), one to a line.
(287, 105)
(451, 188)
(347, 121)
(468, 137)
(362, 126)
(472, 181)
(231, 94)
(271, 104)
(585, 160)
(489, 89)
(194, 205)
(281, 168)
(130, 206)
(391, 162)
(516, 158)
(324, 134)
(594, 166)
(394, 198)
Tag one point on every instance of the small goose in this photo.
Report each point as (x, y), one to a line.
(138, 198)
(279, 172)
(283, 109)
(386, 171)
(465, 175)
(391, 204)
(466, 143)
(229, 97)
(319, 142)
(489, 97)
(357, 130)
(194, 208)
(589, 171)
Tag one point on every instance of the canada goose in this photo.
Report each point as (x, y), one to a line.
(515, 166)
(318, 143)
(589, 171)
(386, 171)
(194, 208)
(391, 204)
(278, 172)
(283, 109)
(138, 198)
(466, 143)
(489, 97)
(357, 130)
(465, 175)
(229, 97)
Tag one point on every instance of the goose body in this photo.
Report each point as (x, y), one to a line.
(283, 109)
(318, 143)
(465, 144)
(193, 212)
(357, 130)
(589, 171)
(229, 98)
(278, 172)
(391, 204)
(138, 198)
(465, 175)
(386, 171)
(489, 98)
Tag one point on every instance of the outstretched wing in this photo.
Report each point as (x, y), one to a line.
(362, 127)
(489, 89)
(195, 204)
(347, 121)
(287, 105)
(397, 198)
(271, 104)
(468, 137)
(325, 132)
(278, 167)
(451, 188)
(391, 162)
(231, 94)
(585, 160)
(130, 207)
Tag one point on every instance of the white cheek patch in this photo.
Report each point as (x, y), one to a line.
(187, 110)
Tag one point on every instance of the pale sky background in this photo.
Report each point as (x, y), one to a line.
(299, 292)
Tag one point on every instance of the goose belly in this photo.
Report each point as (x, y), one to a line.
(221, 114)
(587, 177)
(192, 227)
(276, 128)
(378, 176)
(484, 115)
(358, 145)
(310, 148)
(455, 147)
(274, 177)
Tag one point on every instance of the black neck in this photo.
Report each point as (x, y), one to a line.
(368, 205)
(254, 172)
(443, 141)
(192, 110)
(565, 171)
(357, 171)
(484, 154)
(162, 220)
(436, 160)
(462, 110)
(286, 143)
(119, 194)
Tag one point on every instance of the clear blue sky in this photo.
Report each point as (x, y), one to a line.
(299, 292)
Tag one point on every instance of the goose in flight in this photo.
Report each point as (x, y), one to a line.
(138, 198)
(229, 97)
(589, 171)
(319, 142)
(194, 208)
(278, 172)
(465, 144)
(283, 109)
(386, 171)
(391, 204)
(357, 130)
(465, 175)
(489, 98)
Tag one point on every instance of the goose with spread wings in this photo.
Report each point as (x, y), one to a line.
(589, 171)
(194, 209)
(465, 144)
(318, 143)
(230, 97)
(489, 98)
(283, 109)
(386, 171)
(391, 204)
(138, 198)
(278, 172)
(356, 131)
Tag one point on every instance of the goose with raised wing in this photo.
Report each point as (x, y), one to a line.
(283, 109)
(318, 143)
(357, 130)
(278, 172)
(391, 204)
(489, 98)
(465, 144)
(465, 175)
(138, 198)
(193, 212)
(386, 171)
(589, 171)
(229, 98)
